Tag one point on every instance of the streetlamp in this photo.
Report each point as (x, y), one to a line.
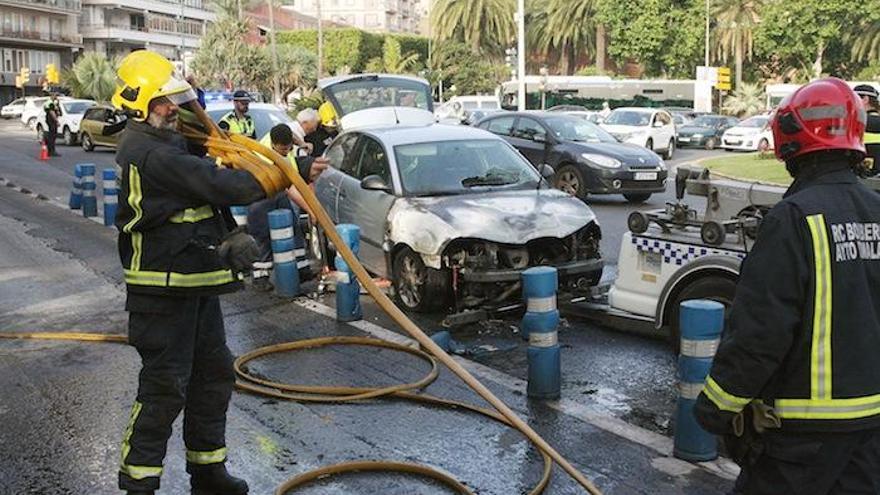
(544, 72)
(521, 54)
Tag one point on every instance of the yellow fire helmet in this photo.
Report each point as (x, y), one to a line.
(327, 114)
(144, 76)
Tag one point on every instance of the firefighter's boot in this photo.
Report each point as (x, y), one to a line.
(214, 479)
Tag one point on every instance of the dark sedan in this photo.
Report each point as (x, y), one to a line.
(587, 160)
(705, 131)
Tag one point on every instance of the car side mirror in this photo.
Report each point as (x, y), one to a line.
(539, 138)
(658, 124)
(546, 171)
(375, 183)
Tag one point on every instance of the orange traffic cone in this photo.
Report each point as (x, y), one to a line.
(44, 150)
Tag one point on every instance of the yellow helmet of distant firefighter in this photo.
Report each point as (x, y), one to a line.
(144, 76)
(327, 114)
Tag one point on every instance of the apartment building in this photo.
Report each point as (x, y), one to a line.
(392, 16)
(173, 28)
(34, 33)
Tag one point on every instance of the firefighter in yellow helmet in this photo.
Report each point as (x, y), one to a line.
(326, 132)
(179, 251)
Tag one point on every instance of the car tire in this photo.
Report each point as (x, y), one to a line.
(650, 144)
(417, 287)
(763, 145)
(31, 123)
(713, 287)
(68, 136)
(86, 142)
(570, 179)
(637, 198)
(670, 150)
(711, 143)
(39, 129)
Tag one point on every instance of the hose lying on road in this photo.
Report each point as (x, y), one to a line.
(218, 144)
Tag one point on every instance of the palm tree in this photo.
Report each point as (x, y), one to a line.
(737, 20)
(233, 8)
(571, 29)
(95, 76)
(865, 39)
(747, 99)
(482, 24)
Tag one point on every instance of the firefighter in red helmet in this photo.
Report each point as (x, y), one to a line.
(795, 385)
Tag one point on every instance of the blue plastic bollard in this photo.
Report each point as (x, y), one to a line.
(76, 196)
(348, 290)
(89, 187)
(239, 213)
(284, 268)
(701, 322)
(111, 196)
(443, 339)
(540, 325)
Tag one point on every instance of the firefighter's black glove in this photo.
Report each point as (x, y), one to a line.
(239, 250)
(746, 443)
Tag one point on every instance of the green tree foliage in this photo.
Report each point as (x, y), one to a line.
(869, 73)
(747, 99)
(735, 32)
(348, 47)
(298, 67)
(865, 35)
(807, 33)
(467, 71)
(92, 76)
(392, 60)
(566, 27)
(486, 26)
(226, 60)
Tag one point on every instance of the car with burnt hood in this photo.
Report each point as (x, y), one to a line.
(587, 160)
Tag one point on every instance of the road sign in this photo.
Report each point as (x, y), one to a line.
(18, 82)
(723, 81)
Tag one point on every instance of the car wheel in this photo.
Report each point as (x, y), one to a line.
(31, 123)
(69, 137)
(86, 142)
(571, 180)
(670, 150)
(650, 144)
(417, 287)
(712, 287)
(711, 143)
(39, 132)
(637, 198)
(764, 145)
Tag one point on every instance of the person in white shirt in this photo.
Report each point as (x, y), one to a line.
(306, 123)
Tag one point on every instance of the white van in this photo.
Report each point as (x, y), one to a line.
(456, 109)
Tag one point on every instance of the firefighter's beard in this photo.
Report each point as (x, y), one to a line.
(166, 122)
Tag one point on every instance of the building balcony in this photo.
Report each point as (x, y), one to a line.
(52, 6)
(138, 35)
(392, 6)
(191, 9)
(40, 38)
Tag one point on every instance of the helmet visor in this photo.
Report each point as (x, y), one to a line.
(182, 97)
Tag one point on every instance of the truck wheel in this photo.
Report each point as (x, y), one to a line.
(713, 287)
(417, 287)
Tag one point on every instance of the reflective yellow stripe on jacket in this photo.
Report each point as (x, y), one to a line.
(872, 138)
(174, 279)
(135, 197)
(243, 126)
(192, 215)
(722, 399)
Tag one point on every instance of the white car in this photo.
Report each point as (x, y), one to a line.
(457, 108)
(649, 127)
(33, 107)
(13, 109)
(752, 134)
(72, 112)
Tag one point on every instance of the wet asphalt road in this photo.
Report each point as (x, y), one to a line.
(64, 405)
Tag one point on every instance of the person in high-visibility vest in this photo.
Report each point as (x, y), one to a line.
(870, 97)
(238, 121)
(795, 383)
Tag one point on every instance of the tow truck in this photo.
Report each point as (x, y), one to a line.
(677, 253)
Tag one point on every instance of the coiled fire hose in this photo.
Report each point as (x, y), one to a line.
(243, 153)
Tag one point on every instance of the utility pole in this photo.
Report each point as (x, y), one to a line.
(276, 82)
(182, 41)
(521, 54)
(707, 34)
(320, 41)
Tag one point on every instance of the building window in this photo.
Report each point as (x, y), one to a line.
(371, 20)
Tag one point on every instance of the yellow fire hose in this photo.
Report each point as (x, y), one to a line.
(247, 159)
(245, 154)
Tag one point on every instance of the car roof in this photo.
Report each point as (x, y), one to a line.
(221, 105)
(394, 136)
(640, 109)
(329, 81)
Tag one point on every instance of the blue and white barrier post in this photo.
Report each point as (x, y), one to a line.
(701, 322)
(540, 325)
(284, 263)
(111, 196)
(76, 195)
(89, 187)
(348, 290)
(239, 213)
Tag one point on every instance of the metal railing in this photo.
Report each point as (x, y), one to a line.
(75, 5)
(39, 36)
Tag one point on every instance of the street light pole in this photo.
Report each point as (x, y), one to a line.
(276, 82)
(320, 41)
(707, 33)
(182, 41)
(521, 54)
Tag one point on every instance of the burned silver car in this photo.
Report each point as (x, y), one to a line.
(453, 215)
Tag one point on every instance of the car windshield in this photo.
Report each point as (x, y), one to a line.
(573, 129)
(373, 92)
(706, 121)
(462, 167)
(625, 117)
(77, 106)
(754, 122)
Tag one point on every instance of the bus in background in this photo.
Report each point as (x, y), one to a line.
(775, 93)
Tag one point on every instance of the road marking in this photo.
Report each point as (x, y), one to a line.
(721, 467)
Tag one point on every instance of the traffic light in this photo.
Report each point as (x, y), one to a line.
(52, 75)
(25, 74)
(18, 82)
(723, 83)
